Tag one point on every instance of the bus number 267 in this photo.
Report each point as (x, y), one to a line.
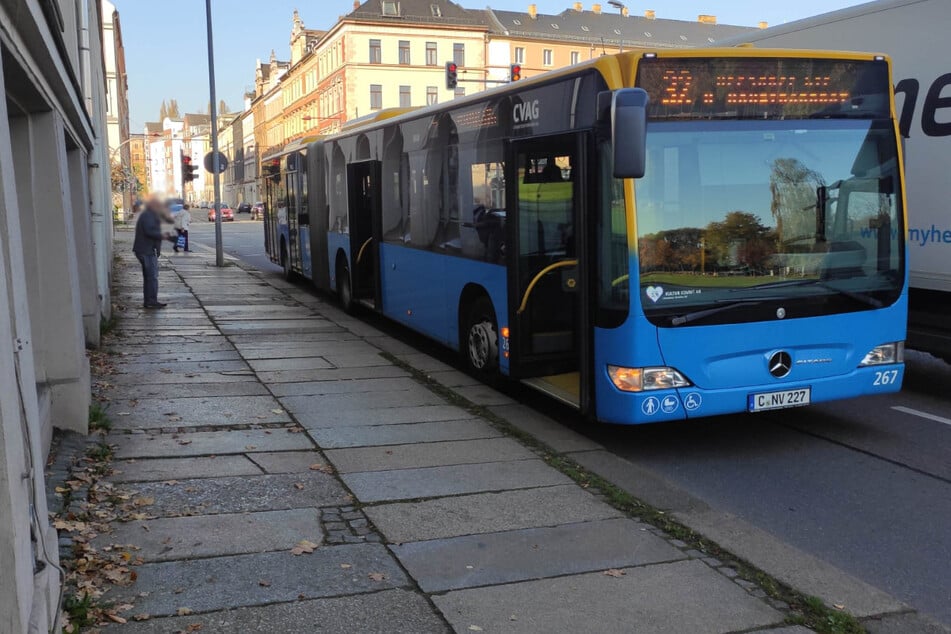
(885, 378)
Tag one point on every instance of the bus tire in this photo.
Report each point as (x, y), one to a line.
(480, 340)
(344, 288)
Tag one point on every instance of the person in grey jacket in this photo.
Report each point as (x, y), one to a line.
(147, 248)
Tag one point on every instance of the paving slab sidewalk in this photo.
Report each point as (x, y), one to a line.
(418, 516)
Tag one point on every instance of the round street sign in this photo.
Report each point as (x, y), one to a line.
(210, 162)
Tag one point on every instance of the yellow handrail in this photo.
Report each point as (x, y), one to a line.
(362, 249)
(543, 272)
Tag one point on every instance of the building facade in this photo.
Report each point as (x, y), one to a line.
(117, 110)
(55, 264)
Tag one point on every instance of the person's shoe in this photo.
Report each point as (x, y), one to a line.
(175, 249)
(156, 305)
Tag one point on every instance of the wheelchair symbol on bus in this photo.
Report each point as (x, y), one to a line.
(692, 401)
(650, 406)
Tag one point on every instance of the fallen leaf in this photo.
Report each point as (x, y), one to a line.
(250, 447)
(376, 576)
(614, 572)
(346, 566)
(115, 618)
(183, 611)
(299, 486)
(143, 501)
(264, 583)
(316, 466)
(838, 606)
(475, 628)
(194, 627)
(141, 617)
(277, 411)
(303, 546)
(184, 442)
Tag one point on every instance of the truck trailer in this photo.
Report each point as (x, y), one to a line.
(916, 34)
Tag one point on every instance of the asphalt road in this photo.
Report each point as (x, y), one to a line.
(863, 484)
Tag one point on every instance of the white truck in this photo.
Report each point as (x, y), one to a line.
(916, 34)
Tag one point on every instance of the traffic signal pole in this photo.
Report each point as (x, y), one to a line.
(219, 253)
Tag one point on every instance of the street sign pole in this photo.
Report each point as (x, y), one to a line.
(219, 254)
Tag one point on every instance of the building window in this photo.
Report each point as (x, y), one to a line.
(460, 92)
(432, 95)
(575, 57)
(519, 55)
(376, 52)
(432, 59)
(459, 54)
(376, 96)
(404, 52)
(391, 8)
(546, 57)
(405, 97)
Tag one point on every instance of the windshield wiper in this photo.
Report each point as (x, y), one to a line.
(680, 320)
(863, 298)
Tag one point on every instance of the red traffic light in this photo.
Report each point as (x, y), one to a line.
(515, 72)
(452, 75)
(186, 160)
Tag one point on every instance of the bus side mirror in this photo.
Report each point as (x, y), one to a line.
(629, 132)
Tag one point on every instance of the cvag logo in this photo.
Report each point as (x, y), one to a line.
(525, 111)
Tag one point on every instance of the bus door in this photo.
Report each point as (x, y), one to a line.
(292, 211)
(363, 181)
(549, 345)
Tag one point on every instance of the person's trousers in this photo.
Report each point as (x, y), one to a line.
(149, 278)
(183, 232)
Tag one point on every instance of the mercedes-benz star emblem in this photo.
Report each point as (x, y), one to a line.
(780, 364)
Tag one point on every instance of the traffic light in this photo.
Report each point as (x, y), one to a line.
(452, 75)
(515, 72)
(188, 170)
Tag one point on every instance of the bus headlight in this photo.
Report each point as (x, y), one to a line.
(886, 353)
(643, 379)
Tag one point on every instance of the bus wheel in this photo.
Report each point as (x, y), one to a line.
(480, 344)
(344, 290)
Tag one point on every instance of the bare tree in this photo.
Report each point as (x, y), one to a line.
(173, 110)
(163, 111)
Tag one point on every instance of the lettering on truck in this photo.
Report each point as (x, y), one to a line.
(933, 102)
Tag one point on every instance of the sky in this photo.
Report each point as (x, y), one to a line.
(166, 47)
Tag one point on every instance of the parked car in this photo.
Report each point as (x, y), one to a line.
(244, 208)
(227, 214)
(257, 210)
(205, 204)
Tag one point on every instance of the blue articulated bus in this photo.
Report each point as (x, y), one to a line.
(646, 236)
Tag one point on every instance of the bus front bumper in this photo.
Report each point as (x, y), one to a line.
(658, 406)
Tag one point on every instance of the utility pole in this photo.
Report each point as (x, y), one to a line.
(219, 253)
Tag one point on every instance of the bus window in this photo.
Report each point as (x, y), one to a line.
(483, 235)
(339, 221)
(392, 189)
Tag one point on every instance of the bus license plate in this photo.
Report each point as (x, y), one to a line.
(779, 400)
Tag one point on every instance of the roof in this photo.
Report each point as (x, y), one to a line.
(432, 12)
(198, 119)
(591, 27)
(152, 127)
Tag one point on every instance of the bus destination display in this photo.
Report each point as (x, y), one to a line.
(764, 88)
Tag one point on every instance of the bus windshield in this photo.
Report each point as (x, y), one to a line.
(736, 219)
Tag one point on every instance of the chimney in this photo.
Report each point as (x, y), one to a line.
(763, 24)
(579, 7)
(650, 14)
(596, 8)
(533, 11)
(356, 4)
(707, 19)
